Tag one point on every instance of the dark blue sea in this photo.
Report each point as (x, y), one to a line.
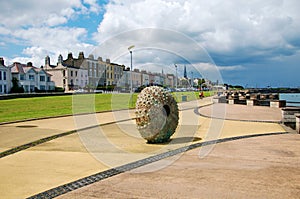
(292, 99)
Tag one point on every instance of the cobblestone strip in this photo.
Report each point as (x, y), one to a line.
(63, 189)
(47, 139)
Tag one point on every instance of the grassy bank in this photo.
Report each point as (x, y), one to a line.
(37, 107)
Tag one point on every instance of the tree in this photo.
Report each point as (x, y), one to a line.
(201, 82)
(16, 88)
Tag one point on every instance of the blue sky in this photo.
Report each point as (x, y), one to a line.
(251, 43)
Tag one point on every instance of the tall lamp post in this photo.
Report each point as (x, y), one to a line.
(176, 77)
(129, 48)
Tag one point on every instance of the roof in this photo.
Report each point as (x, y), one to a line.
(23, 68)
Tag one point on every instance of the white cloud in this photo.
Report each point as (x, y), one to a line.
(231, 68)
(253, 28)
(39, 26)
(16, 14)
(51, 41)
(36, 13)
(93, 5)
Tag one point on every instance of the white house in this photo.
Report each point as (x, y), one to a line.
(5, 78)
(32, 78)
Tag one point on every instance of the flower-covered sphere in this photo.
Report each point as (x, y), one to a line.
(156, 114)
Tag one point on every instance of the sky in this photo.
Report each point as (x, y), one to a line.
(249, 43)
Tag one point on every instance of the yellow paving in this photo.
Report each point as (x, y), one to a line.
(69, 158)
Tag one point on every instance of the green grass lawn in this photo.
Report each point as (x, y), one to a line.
(37, 107)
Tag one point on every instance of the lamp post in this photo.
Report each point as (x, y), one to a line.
(129, 48)
(176, 77)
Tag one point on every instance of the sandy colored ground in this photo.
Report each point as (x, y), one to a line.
(93, 150)
(262, 167)
(238, 112)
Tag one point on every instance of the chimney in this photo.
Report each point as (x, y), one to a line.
(60, 59)
(47, 61)
(70, 56)
(2, 61)
(108, 61)
(29, 64)
(91, 56)
(81, 55)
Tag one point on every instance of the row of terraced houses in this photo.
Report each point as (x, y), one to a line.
(77, 73)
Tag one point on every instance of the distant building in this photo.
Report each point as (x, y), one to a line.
(84, 72)
(32, 78)
(5, 78)
(68, 74)
(145, 78)
(170, 80)
(136, 78)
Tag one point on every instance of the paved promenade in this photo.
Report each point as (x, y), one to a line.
(97, 148)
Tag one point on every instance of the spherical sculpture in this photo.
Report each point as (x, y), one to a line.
(156, 114)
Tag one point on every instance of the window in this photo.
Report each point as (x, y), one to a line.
(22, 77)
(31, 77)
(42, 88)
(42, 78)
(76, 73)
(64, 81)
(64, 73)
(71, 73)
(48, 79)
(0, 75)
(0, 88)
(4, 75)
(5, 89)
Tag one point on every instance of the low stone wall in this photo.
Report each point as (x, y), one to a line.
(219, 99)
(251, 102)
(277, 103)
(289, 116)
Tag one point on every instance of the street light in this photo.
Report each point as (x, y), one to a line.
(129, 48)
(176, 77)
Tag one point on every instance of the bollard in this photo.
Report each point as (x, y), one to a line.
(297, 115)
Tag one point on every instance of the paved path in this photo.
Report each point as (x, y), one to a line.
(71, 157)
(248, 168)
(242, 112)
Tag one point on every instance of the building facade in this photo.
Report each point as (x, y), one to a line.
(32, 78)
(84, 72)
(5, 78)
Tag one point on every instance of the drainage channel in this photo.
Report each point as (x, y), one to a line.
(63, 189)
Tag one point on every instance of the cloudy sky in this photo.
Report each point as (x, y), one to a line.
(251, 43)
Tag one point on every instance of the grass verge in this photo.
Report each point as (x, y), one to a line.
(38, 107)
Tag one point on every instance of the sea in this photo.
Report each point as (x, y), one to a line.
(292, 99)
